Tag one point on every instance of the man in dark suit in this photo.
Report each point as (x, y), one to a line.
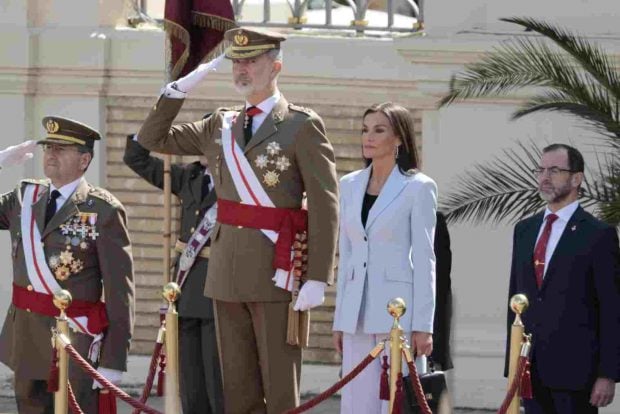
(443, 302)
(568, 264)
(201, 383)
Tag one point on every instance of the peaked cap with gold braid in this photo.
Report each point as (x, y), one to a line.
(248, 43)
(66, 131)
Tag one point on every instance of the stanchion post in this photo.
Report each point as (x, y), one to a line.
(396, 308)
(518, 304)
(62, 300)
(172, 402)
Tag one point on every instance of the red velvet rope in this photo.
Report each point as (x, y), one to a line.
(417, 388)
(514, 386)
(333, 389)
(107, 384)
(73, 404)
(150, 378)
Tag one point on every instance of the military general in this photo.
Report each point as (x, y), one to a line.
(66, 234)
(264, 155)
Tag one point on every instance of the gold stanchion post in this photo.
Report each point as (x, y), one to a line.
(62, 300)
(396, 308)
(518, 304)
(172, 403)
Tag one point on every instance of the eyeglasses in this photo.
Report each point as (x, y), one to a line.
(553, 171)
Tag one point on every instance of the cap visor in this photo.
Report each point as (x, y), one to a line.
(246, 54)
(56, 141)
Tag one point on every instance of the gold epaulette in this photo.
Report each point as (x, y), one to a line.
(301, 109)
(105, 195)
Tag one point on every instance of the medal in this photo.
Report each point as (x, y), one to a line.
(186, 260)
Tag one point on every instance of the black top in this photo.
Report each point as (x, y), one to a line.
(369, 200)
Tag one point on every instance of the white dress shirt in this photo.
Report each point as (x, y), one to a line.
(557, 228)
(266, 106)
(66, 191)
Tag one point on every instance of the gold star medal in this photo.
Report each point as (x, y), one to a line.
(271, 178)
(62, 273)
(66, 258)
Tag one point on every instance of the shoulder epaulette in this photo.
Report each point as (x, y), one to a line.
(35, 181)
(301, 109)
(105, 195)
(236, 108)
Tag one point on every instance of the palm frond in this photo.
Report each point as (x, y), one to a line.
(505, 190)
(591, 58)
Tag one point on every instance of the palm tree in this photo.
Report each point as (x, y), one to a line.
(572, 76)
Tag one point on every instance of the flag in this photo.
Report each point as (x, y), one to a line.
(195, 31)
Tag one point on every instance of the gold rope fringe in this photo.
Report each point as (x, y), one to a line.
(211, 21)
(175, 30)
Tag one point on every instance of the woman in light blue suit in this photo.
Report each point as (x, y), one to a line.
(387, 227)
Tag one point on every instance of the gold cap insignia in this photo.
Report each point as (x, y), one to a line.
(52, 126)
(241, 39)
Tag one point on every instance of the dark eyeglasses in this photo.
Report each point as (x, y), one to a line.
(553, 171)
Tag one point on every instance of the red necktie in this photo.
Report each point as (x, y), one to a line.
(541, 249)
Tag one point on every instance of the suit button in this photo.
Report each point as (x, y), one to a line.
(192, 230)
(27, 309)
(364, 264)
(365, 238)
(30, 288)
(197, 212)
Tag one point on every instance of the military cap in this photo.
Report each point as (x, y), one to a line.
(66, 131)
(248, 43)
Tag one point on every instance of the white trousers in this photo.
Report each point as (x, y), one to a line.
(361, 395)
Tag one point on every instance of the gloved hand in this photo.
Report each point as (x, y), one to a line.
(189, 81)
(17, 154)
(112, 375)
(311, 294)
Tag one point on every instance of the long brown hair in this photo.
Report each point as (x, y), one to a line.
(401, 122)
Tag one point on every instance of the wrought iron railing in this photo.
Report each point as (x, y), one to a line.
(356, 16)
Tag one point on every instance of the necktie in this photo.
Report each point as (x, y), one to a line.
(247, 125)
(541, 249)
(50, 210)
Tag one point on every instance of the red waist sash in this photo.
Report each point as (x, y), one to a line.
(285, 221)
(43, 304)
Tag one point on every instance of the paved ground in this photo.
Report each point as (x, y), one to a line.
(7, 406)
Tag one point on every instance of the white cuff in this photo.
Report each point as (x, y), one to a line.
(169, 92)
(112, 375)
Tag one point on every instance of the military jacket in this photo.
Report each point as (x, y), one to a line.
(186, 183)
(99, 265)
(290, 155)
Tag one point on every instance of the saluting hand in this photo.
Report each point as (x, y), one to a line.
(189, 81)
(422, 343)
(17, 154)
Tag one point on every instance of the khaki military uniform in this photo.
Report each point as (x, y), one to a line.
(103, 268)
(201, 382)
(240, 269)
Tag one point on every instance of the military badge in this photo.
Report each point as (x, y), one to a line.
(271, 178)
(52, 126)
(273, 148)
(273, 162)
(62, 273)
(240, 39)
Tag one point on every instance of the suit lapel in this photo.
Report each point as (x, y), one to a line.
(567, 239)
(358, 191)
(38, 208)
(392, 188)
(237, 129)
(69, 209)
(268, 127)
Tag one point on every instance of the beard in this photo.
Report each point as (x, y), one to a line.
(553, 194)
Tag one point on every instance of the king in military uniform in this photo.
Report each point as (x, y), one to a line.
(264, 156)
(66, 234)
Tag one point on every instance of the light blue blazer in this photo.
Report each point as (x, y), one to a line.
(391, 257)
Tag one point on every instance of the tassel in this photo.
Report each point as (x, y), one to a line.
(384, 387)
(526, 383)
(292, 327)
(107, 402)
(398, 395)
(52, 379)
(304, 329)
(161, 376)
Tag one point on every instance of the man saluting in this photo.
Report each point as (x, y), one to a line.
(65, 234)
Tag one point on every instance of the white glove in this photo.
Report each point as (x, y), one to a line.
(311, 295)
(189, 81)
(17, 154)
(112, 375)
